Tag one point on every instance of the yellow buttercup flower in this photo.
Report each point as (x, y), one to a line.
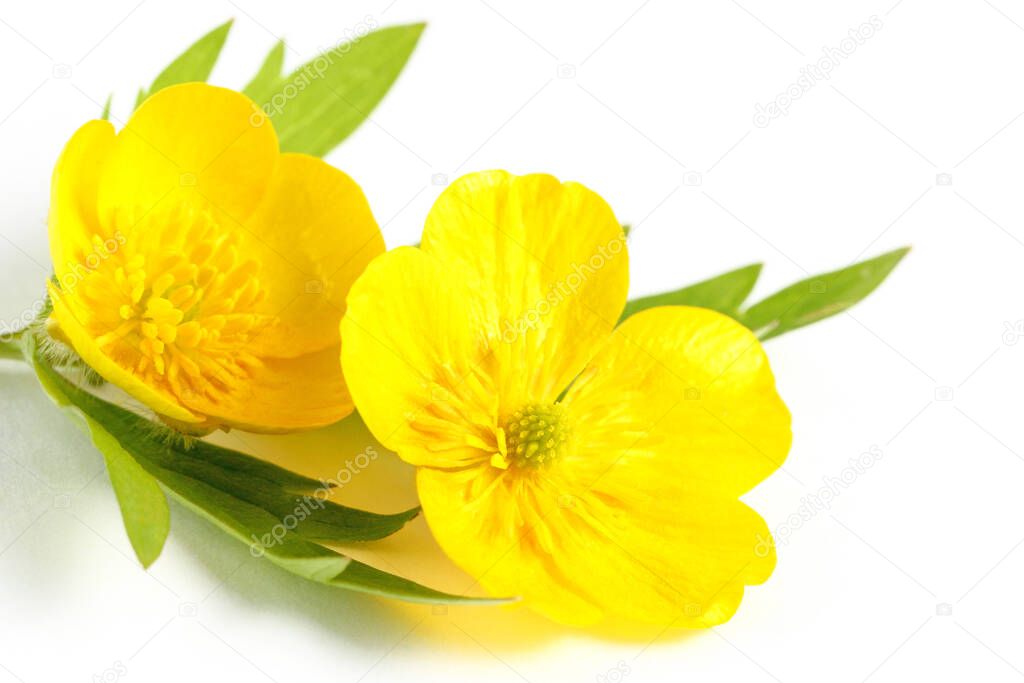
(594, 471)
(201, 270)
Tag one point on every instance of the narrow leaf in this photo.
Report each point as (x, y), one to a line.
(147, 518)
(298, 556)
(105, 116)
(723, 293)
(272, 489)
(195, 63)
(277, 513)
(144, 510)
(367, 579)
(262, 86)
(319, 104)
(819, 297)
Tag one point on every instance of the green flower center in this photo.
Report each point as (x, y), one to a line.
(536, 434)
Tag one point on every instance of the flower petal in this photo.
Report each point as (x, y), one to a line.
(678, 394)
(579, 558)
(313, 235)
(416, 362)
(73, 219)
(282, 394)
(193, 142)
(674, 418)
(545, 261)
(71, 329)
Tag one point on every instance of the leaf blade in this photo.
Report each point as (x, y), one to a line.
(242, 518)
(144, 509)
(819, 297)
(723, 293)
(330, 102)
(252, 481)
(194, 64)
(366, 579)
(269, 76)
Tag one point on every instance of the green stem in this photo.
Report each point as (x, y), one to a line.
(10, 349)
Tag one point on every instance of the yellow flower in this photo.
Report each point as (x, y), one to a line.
(201, 270)
(595, 473)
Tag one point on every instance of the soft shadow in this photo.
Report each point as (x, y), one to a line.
(367, 476)
(386, 484)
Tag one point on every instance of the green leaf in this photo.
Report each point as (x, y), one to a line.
(147, 518)
(817, 298)
(723, 293)
(279, 514)
(262, 485)
(367, 579)
(800, 304)
(144, 510)
(105, 116)
(268, 78)
(319, 104)
(194, 64)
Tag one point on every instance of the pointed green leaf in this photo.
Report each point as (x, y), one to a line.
(274, 490)
(319, 104)
(147, 518)
(367, 579)
(268, 78)
(819, 297)
(297, 555)
(723, 293)
(278, 514)
(194, 64)
(105, 116)
(144, 510)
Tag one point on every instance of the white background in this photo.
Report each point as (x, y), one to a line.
(914, 570)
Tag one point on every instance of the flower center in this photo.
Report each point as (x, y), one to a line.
(174, 303)
(534, 435)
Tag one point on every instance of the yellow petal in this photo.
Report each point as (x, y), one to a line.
(85, 345)
(639, 520)
(580, 558)
(313, 235)
(192, 142)
(678, 394)
(413, 353)
(73, 219)
(545, 261)
(282, 395)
